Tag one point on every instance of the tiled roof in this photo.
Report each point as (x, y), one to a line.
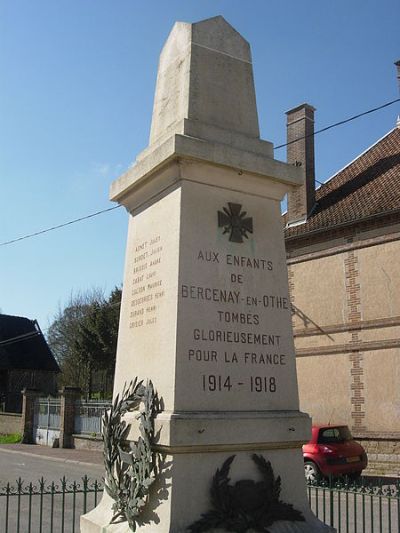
(369, 185)
(23, 346)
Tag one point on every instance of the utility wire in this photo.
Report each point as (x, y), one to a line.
(339, 123)
(60, 225)
(275, 148)
(19, 338)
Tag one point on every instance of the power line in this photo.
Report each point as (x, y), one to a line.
(338, 123)
(60, 225)
(275, 148)
(18, 338)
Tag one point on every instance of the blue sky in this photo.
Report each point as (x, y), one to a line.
(76, 98)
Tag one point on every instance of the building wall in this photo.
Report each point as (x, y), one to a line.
(17, 380)
(10, 423)
(345, 291)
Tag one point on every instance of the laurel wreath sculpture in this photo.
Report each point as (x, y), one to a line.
(247, 504)
(129, 474)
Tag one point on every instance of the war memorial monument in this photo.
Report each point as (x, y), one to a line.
(205, 312)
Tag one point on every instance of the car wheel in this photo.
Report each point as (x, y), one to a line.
(311, 471)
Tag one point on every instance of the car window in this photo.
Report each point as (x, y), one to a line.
(334, 434)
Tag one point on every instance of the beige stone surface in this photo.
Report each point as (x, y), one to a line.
(157, 288)
(147, 333)
(319, 292)
(379, 334)
(382, 396)
(140, 178)
(380, 282)
(321, 377)
(197, 63)
(323, 340)
(187, 487)
(205, 308)
(210, 263)
(192, 115)
(317, 247)
(219, 430)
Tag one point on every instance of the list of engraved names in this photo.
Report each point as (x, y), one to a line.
(146, 284)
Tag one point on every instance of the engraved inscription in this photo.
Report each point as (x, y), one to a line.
(239, 333)
(146, 283)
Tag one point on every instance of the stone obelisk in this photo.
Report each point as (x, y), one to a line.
(205, 307)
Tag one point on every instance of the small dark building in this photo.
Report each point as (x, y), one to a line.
(25, 361)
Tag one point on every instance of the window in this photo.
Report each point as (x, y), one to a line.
(334, 434)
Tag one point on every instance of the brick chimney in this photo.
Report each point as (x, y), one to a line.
(300, 123)
(397, 63)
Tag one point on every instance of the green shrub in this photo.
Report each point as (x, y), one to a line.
(12, 438)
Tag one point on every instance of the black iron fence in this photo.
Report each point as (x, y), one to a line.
(357, 507)
(46, 507)
(366, 507)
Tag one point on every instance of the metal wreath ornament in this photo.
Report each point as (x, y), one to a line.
(130, 473)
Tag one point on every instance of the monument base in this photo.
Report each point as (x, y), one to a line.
(181, 493)
(96, 522)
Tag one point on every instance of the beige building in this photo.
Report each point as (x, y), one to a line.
(343, 254)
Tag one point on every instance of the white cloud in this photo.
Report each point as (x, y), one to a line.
(102, 169)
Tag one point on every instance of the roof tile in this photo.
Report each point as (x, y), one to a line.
(368, 186)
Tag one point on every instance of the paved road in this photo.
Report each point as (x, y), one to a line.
(30, 463)
(45, 513)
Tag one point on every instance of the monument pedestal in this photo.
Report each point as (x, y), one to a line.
(182, 492)
(205, 310)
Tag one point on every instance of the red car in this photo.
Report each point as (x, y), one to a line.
(333, 451)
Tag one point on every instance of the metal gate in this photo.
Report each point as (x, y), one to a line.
(88, 416)
(46, 421)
